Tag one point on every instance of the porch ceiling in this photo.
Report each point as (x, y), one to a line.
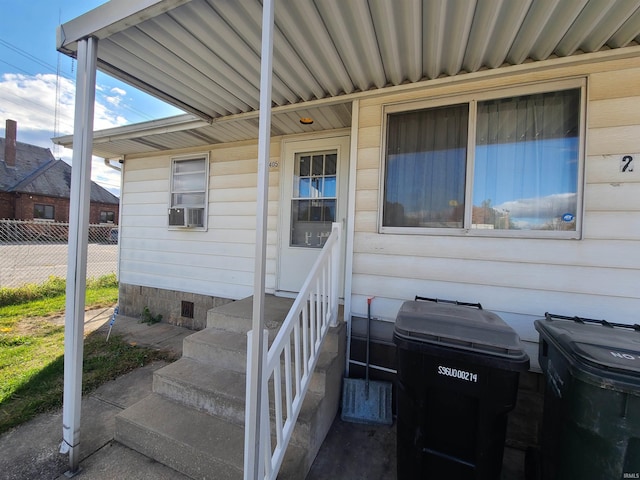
(203, 56)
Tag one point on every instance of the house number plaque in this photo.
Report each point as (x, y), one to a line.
(627, 164)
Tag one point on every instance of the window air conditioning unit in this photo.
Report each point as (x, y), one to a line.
(186, 217)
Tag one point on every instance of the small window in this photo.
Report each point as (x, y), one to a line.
(189, 187)
(107, 217)
(488, 166)
(43, 212)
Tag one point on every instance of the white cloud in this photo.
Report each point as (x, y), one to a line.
(550, 206)
(30, 100)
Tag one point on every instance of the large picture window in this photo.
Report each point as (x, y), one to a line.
(488, 166)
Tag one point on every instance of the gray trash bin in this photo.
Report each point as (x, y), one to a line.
(591, 418)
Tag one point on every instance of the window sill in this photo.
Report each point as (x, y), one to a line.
(482, 233)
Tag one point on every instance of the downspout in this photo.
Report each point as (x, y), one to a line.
(107, 162)
(256, 386)
(79, 205)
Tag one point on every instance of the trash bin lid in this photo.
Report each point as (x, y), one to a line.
(598, 347)
(459, 327)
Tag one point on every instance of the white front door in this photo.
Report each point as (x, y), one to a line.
(314, 195)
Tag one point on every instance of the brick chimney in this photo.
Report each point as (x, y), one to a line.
(10, 143)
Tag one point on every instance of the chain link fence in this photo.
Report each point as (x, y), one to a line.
(32, 251)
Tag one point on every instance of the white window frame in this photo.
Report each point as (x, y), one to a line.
(195, 156)
(472, 99)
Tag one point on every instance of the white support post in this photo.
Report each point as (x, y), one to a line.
(79, 206)
(349, 230)
(253, 446)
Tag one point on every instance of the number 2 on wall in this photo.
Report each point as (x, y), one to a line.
(627, 164)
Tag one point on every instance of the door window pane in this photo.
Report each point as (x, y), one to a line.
(311, 222)
(526, 162)
(426, 168)
(329, 188)
(313, 206)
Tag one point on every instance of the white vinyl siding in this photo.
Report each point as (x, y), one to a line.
(218, 262)
(518, 278)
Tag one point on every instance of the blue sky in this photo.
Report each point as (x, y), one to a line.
(37, 84)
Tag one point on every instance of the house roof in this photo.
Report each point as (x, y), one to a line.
(38, 172)
(203, 56)
(29, 158)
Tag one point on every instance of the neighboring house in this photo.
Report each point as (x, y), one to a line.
(35, 186)
(475, 151)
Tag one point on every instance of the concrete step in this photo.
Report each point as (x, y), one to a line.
(217, 391)
(199, 445)
(237, 316)
(222, 348)
(221, 392)
(228, 349)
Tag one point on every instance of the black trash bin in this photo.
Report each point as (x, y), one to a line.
(458, 372)
(591, 416)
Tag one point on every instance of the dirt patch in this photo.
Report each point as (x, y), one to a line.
(93, 320)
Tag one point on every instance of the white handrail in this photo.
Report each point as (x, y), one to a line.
(314, 310)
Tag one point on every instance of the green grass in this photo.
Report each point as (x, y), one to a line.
(32, 348)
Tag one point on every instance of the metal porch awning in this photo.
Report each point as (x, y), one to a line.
(203, 56)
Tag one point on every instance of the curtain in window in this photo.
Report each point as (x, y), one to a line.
(526, 162)
(425, 168)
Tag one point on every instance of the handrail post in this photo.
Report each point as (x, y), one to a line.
(335, 273)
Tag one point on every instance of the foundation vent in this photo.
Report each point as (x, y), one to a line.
(186, 309)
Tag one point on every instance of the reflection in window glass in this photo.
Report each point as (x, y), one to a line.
(526, 162)
(426, 168)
